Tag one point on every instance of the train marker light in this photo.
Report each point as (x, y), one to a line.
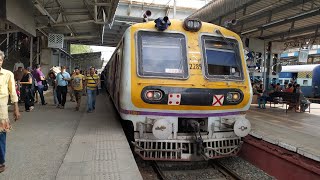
(153, 95)
(193, 25)
(149, 95)
(157, 95)
(162, 23)
(233, 96)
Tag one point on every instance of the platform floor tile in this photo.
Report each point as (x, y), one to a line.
(99, 150)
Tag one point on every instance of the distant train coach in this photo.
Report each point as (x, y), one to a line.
(182, 88)
(308, 76)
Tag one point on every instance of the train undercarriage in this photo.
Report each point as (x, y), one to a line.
(189, 139)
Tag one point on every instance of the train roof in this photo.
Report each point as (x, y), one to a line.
(299, 68)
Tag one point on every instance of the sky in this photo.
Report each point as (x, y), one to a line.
(106, 52)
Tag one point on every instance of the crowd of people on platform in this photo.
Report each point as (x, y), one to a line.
(31, 82)
(25, 84)
(292, 87)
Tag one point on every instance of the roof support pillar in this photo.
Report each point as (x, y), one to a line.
(31, 51)
(174, 8)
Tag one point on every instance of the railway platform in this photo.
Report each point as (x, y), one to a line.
(50, 143)
(296, 132)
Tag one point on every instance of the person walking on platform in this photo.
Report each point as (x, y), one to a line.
(62, 89)
(18, 74)
(7, 88)
(39, 76)
(27, 86)
(92, 83)
(77, 81)
(70, 89)
(53, 82)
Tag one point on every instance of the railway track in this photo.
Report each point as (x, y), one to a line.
(193, 170)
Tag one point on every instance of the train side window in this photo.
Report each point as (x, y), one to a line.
(162, 54)
(281, 82)
(286, 81)
(222, 58)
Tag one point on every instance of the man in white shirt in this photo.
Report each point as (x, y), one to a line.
(62, 79)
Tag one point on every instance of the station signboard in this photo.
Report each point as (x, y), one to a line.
(303, 55)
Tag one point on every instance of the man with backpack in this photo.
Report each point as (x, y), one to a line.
(62, 86)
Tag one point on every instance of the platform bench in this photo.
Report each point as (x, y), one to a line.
(290, 99)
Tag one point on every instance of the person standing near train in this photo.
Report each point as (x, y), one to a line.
(92, 83)
(7, 89)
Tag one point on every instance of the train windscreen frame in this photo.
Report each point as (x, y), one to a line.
(162, 54)
(222, 58)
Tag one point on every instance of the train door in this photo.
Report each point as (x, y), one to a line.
(118, 61)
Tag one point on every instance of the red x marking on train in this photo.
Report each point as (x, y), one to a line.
(217, 100)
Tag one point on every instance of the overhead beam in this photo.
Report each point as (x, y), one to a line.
(283, 21)
(68, 23)
(102, 4)
(62, 10)
(292, 32)
(72, 38)
(216, 9)
(244, 7)
(9, 31)
(264, 14)
(43, 11)
(157, 11)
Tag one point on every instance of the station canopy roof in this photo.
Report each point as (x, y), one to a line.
(271, 20)
(103, 22)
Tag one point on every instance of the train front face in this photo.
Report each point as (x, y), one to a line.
(189, 91)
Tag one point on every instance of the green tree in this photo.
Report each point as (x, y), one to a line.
(78, 49)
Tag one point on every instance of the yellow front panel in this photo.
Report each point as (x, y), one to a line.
(196, 78)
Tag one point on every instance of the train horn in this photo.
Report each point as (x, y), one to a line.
(146, 15)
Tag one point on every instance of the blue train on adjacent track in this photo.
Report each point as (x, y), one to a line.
(308, 76)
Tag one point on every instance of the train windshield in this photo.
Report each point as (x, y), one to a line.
(162, 55)
(222, 58)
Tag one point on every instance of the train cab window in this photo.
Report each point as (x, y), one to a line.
(305, 82)
(222, 58)
(162, 55)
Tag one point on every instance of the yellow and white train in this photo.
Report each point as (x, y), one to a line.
(184, 88)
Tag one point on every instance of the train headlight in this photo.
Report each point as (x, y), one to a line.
(153, 95)
(233, 96)
(157, 95)
(193, 25)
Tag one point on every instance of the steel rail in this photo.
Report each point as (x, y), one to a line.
(226, 170)
(157, 170)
